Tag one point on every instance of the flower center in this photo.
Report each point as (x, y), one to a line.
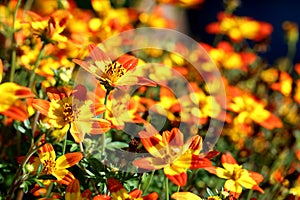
(237, 173)
(114, 71)
(68, 113)
(49, 166)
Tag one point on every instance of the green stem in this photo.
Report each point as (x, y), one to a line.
(49, 190)
(249, 194)
(64, 144)
(13, 43)
(167, 188)
(32, 76)
(16, 181)
(149, 182)
(103, 116)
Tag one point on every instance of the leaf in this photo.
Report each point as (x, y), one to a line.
(116, 145)
(209, 192)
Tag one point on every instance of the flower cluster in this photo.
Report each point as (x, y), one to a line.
(80, 121)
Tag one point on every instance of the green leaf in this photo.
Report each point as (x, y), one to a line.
(116, 145)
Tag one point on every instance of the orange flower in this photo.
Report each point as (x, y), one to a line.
(170, 153)
(10, 104)
(112, 74)
(239, 28)
(236, 176)
(119, 192)
(56, 167)
(72, 111)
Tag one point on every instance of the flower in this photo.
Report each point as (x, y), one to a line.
(72, 111)
(238, 28)
(56, 167)
(10, 104)
(118, 192)
(49, 28)
(225, 56)
(236, 176)
(112, 74)
(170, 153)
(251, 109)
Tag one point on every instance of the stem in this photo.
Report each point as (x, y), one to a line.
(249, 194)
(32, 76)
(13, 43)
(16, 181)
(49, 190)
(34, 126)
(104, 115)
(148, 182)
(167, 188)
(64, 144)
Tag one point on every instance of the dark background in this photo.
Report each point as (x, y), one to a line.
(272, 11)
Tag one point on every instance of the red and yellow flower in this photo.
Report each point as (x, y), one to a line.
(236, 176)
(170, 153)
(112, 74)
(72, 110)
(56, 166)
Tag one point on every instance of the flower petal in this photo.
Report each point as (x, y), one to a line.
(185, 196)
(41, 105)
(68, 160)
(232, 186)
(177, 175)
(150, 163)
(73, 190)
(114, 185)
(46, 153)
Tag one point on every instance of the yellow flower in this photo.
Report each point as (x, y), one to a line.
(49, 29)
(236, 176)
(74, 111)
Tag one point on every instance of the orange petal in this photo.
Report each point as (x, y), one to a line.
(68, 160)
(150, 163)
(227, 158)
(41, 105)
(54, 94)
(129, 62)
(18, 111)
(46, 153)
(199, 162)
(179, 179)
(114, 185)
(101, 197)
(151, 196)
(173, 137)
(73, 190)
(136, 193)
